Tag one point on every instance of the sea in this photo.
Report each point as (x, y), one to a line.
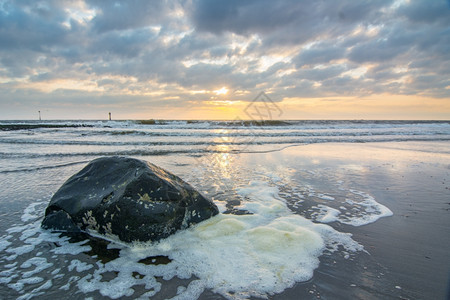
(283, 223)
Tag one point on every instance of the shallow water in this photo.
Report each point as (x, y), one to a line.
(314, 221)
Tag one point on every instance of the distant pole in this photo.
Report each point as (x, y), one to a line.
(39, 114)
(110, 116)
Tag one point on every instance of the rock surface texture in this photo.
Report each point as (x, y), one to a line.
(126, 198)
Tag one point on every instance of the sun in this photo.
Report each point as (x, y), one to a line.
(222, 91)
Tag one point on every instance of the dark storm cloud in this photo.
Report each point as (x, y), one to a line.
(243, 16)
(36, 28)
(123, 15)
(263, 16)
(126, 44)
(426, 12)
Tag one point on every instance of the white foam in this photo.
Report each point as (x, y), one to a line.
(71, 248)
(40, 264)
(30, 213)
(31, 280)
(326, 214)
(15, 229)
(237, 256)
(21, 249)
(11, 265)
(28, 233)
(37, 291)
(32, 235)
(247, 253)
(5, 280)
(4, 243)
(360, 210)
(374, 210)
(56, 271)
(66, 287)
(79, 266)
(121, 286)
(193, 291)
(8, 273)
(17, 286)
(325, 197)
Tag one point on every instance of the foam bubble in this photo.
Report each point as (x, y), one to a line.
(238, 256)
(5, 280)
(256, 255)
(247, 253)
(325, 197)
(30, 211)
(8, 273)
(360, 209)
(31, 235)
(72, 248)
(40, 264)
(31, 280)
(326, 214)
(4, 243)
(79, 266)
(37, 291)
(21, 250)
(15, 229)
(374, 210)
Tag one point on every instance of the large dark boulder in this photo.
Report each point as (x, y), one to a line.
(126, 198)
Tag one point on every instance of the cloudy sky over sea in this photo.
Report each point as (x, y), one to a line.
(383, 59)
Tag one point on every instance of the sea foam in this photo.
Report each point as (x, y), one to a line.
(238, 256)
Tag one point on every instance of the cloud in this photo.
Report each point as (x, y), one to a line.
(125, 44)
(425, 12)
(320, 54)
(170, 49)
(284, 22)
(125, 15)
(243, 17)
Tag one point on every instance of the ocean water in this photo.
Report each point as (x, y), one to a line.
(65, 140)
(281, 221)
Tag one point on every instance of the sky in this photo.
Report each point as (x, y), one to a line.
(205, 59)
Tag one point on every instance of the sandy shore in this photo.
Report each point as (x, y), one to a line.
(408, 253)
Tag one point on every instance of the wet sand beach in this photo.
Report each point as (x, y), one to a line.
(408, 252)
(313, 221)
